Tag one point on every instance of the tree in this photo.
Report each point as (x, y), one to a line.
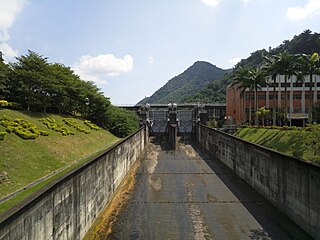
(258, 80)
(310, 66)
(263, 113)
(30, 74)
(241, 80)
(271, 69)
(121, 122)
(285, 65)
(4, 78)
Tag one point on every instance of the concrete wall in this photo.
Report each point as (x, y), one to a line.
(66, 208)
(293, 186)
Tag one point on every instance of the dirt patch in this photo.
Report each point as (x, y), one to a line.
(103, 226)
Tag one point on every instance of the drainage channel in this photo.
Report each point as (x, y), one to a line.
(196, 198)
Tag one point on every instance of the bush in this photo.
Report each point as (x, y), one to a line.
(21, 127)
(92, 125)
(55, 126)
(74, 124)
(44, 133)
(4, 103)
(121, 122)
(2, 135)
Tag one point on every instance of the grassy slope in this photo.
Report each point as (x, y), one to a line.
(285, 141)
(28, 160)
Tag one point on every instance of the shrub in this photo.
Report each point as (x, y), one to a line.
(21, 127)
(44, 133)
(121, 122)
(92, 125)
(10, 129)
(4, 103)
(55, 126)
(74, 124)
(2, 135)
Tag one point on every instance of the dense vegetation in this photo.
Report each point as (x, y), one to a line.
(188, 83)
(298, 142)
(33, 84)
(215, 92)
(304, 43)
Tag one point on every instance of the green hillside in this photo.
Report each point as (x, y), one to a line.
(24, 161)
(188, 83)
(301, 143)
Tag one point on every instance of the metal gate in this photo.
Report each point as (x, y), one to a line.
(158, 120)
(185, 121)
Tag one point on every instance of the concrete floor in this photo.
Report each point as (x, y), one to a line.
(185, 194)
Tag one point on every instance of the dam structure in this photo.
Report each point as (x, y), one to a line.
(192, 182)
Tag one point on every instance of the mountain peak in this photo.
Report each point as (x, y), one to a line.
(193, 79)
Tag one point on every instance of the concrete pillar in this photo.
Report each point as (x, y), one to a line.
(172, 125)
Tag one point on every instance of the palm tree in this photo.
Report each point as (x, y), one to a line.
(310, 66)
(286, 67)
(271, 69)
(241, 79)
(258, 80)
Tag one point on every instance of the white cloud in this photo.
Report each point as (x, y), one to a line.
(8, 12)
(97, 68)
(150, 60)
(211, 3)
(7, 51)
(234, 61)
(300, 13)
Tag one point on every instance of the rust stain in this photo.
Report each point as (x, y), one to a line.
(103, 227)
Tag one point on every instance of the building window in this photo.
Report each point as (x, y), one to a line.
(296, 96)
(308, 84)
(288, 84)
(297, 84)
(261, 97)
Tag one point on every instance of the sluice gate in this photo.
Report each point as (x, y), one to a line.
(172, 120)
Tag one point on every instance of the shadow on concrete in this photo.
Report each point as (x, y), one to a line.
(269, 217)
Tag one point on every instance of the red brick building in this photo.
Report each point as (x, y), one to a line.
(298, 100)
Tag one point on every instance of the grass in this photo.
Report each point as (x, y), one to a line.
(288, 142)
(25, 161)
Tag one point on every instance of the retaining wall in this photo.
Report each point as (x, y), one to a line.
(66, 208)
(293, 186)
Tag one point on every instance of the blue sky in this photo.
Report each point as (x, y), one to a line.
(131, 48)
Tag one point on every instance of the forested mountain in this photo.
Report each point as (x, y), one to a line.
(306, 42)
(188, 83)
(215, 92)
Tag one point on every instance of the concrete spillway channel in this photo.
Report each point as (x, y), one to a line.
(185, 194)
